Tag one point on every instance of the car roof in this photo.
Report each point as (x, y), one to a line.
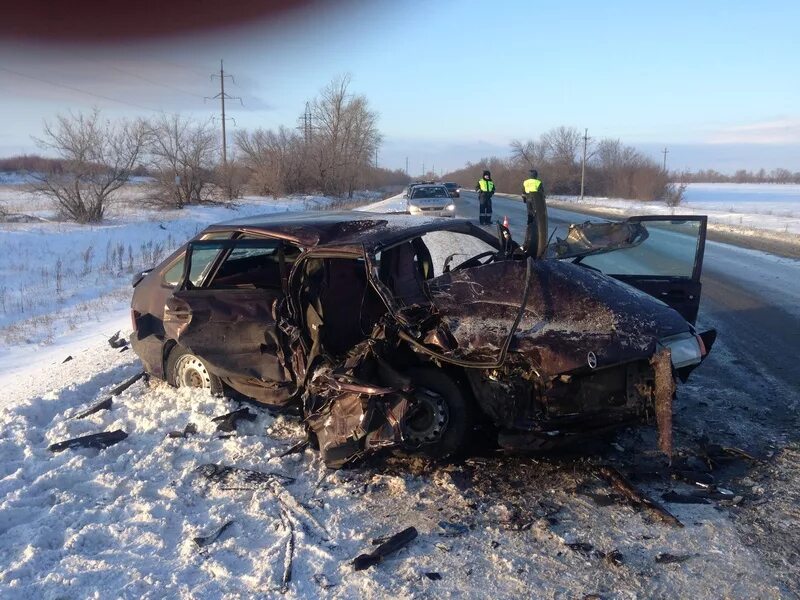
(346, 228)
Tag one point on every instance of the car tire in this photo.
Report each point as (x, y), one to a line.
(447, 416)
(185, 370)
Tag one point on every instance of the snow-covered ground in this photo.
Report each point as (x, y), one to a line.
(757, 209)
(120, 522)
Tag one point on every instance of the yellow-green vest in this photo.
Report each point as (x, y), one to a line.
(486, 185)
(531, 186)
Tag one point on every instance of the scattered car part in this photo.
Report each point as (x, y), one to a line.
(116, 341)
(288, 556)
(190, 429)
(95, 408)
(227, 422)
(391, 545)
(100, 440)
(116, 391)
(620, 484)
(665, 558)
(205, 540)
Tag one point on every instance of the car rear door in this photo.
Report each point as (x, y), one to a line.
(229, 317)
(666, 265)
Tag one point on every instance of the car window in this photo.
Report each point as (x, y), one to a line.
(173, 275)
(461, 246)
(429, 192)
(259, 262)
(670, 250)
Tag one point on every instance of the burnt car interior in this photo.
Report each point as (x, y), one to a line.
(338, 304)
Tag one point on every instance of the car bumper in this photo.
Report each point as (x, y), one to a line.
(431, 212)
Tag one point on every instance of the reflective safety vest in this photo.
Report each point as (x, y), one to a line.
(531, 186)
(486, 185)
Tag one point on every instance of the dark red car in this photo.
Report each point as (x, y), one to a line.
(393, 330)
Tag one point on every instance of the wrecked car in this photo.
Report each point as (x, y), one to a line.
(396, 331)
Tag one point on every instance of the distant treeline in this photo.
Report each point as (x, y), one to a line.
(612, 168)
(34, 163)
(740, 176)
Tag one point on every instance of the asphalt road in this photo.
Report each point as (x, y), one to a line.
(747, 393)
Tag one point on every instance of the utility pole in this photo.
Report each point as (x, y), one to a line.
(665, 152)
(583, 161)
(376, 158)
(222, 96)
(406, 165)
(423, 170)
(305, 126)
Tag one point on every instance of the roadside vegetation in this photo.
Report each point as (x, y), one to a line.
(90, 158)
(612, 168)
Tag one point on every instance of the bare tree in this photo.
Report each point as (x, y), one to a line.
(183, 155)
(275, 160)
(344, 137)
(96, 159)
(528, 154)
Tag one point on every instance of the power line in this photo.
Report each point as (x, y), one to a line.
(222, 96)
(164, 85)
(78, 90)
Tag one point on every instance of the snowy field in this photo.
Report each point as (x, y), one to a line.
(121, 522)
(757, 209)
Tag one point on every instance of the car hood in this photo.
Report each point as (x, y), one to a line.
(571, 311)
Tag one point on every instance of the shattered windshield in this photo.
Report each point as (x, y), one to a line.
(451, 249)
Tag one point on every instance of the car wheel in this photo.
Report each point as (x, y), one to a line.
(443, 419)
(185, 370)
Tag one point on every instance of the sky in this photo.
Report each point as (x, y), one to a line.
(714, 82)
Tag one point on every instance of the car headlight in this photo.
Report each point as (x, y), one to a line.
(684, 348)
(451, 207)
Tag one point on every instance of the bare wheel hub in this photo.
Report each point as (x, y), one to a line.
(429, 418)
(191, 372)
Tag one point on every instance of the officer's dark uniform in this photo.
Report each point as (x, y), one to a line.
(485, 189)
(532, 190)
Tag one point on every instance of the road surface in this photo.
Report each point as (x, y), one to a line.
(750, 384)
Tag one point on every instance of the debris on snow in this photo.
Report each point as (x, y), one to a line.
(116, 341)
(100, 440)
(190, 429)
(102, 405)
(205, 540)
(635, 497)
(227, 422)
(391, 545)
(667, 558)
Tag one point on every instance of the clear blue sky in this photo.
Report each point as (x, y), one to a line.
(717, 82)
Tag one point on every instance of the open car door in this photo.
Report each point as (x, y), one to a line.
(229, 317)
(665, 260)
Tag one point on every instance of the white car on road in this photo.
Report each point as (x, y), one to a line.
(431, 200)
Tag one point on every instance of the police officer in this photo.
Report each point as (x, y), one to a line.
(533, 194)
(485, 189)
(532, 187)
